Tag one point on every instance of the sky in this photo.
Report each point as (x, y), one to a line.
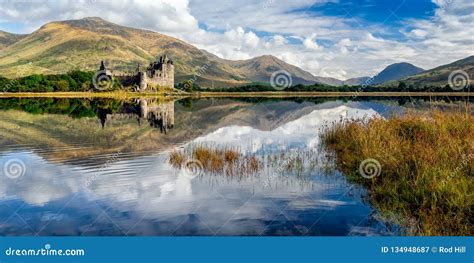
(329, 38)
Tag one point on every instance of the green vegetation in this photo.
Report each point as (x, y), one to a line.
(402, 87)
(246, 88)
(426, 174)
(188, 86)
(81, 81)
(74, 81)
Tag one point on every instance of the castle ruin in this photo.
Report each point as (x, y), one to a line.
(157, 75)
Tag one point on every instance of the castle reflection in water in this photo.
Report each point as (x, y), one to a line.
(159, 115)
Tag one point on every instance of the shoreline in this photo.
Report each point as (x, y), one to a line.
(277, 94)
(265, 94)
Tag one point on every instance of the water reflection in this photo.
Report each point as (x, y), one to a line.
(158, 115)
(132, 189)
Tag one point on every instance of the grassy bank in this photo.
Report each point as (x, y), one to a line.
(422, 173)
(269, 94)
(119, 94)
(286, 94)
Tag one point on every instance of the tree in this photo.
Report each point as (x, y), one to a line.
(61, 85)
(402, 86)
(188, 86)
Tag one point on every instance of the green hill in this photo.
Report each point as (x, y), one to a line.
(59, 47)
(439, 76)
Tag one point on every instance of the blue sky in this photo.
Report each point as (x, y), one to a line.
(334, 38)
(379, 11)
(389, 13)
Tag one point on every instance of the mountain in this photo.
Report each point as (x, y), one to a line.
(7, 39)
(439, 76)
(59, 47)
(355, 81)
(260, 69)
(395, 71)
(392, 72)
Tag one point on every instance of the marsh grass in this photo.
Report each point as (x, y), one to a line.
(295, 166)
(217, 160)
(426, 179)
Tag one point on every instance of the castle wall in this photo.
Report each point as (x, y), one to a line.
(158, 74)
(127, 81)
(162, 78)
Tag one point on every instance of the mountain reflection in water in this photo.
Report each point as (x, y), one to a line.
(112, 177)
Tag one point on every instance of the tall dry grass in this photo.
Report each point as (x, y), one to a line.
(217, 160)
(231, 161)
(427, 166)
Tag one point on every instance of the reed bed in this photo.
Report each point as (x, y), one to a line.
(227, 161)
(425, 179)
(218, 160)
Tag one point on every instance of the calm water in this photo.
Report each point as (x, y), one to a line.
(100, 167)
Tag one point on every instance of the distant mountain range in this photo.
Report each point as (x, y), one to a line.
(439, 76)
(355, 81)
(7, 39)
(395, 72)
(59, 47)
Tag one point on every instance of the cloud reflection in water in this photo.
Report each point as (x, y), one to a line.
(126, 198)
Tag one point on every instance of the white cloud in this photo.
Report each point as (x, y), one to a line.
(310, 43)
(161, 15)
(238, 35)
(418, 33)
(447, 36)
(279, 40)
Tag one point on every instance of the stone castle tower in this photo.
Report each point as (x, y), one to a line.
(158, 74)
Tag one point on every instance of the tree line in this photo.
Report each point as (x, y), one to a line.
(78, 81)
(81, 81)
